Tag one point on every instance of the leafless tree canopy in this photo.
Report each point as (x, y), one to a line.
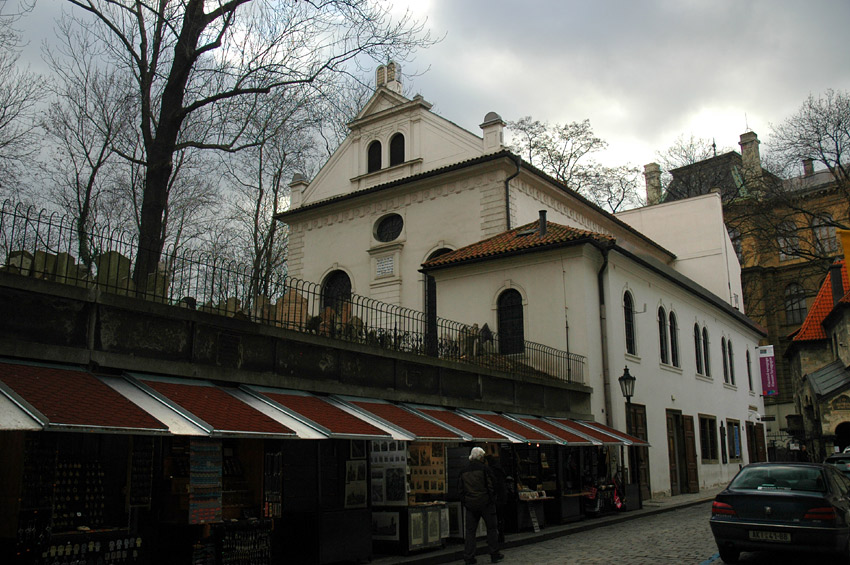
(193, 58)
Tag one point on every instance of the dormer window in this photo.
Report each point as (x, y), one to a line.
(397, 150)
(374, 157)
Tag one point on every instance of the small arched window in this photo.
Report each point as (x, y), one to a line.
(662, 335)
(674, 340)
(397, 150)
(705, 355)
(511, 330)
(823, 229)
(336, 291)
(629, 316)
(698, 348)
(725, 361)
(731, 362)
(374, 157)
(795, 304)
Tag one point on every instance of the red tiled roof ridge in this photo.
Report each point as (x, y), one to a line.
(812, 327)
(511, 240)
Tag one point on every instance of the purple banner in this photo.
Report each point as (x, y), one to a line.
(767, 364)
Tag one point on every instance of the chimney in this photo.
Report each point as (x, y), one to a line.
(296, 188)
(389, 76)
(750, 156)
(837, 282)
(493, 132)
(652, 176)
(808, 167)
(542, 231)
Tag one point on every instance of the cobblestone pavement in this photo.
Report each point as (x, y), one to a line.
(680, 536)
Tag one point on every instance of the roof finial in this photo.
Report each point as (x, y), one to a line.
(714, 147)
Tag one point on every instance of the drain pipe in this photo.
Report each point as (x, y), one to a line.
(603, 335)
(518, 162)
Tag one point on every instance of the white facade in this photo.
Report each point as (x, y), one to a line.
(455, 189)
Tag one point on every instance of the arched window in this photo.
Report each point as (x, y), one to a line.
(725, 361)
(336, 291)
(397, 150)
(629, 315)
(749, 370)
(731, 362)
(705, 355)
(788, 240)
(662, 335)
(795, 304)
(824, 231)
(374, 157)
(388, 228)
(511, 331)
(698, 348)
(674, 340)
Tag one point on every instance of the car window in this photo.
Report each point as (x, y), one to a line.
(780, 477)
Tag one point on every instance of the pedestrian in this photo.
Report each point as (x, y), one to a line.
(477, 486)
(803, 454)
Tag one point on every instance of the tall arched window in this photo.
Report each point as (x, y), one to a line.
(511, 330)
(823, 229)
(662, 335)
(336, 291)
(629, 316)
(705, 355)
(698, 348)
(731, 362)
(674, 340)
(374, 157)
(795, 304)
(749, 370)
(788, 240)
(397, 150)
(724, 359)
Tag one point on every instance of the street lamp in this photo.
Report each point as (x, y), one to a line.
(627, 387)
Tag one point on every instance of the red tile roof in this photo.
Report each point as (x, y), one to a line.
(812, 328)
(558, 432)
(331, 417)
(523, 238)
(467, 426)
(224, 412)
(517, 429)
(74, 397)
(616, 433)
(406, 420)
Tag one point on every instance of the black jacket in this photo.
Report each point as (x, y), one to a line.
(477, 486)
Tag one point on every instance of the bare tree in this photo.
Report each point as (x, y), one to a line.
(193, 56)
(615, 188)
(687, 151)
(20, 91)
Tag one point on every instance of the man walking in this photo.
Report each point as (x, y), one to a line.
(477, 487)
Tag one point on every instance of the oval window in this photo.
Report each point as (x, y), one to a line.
(389, 228)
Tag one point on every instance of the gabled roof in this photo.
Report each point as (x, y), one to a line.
(812, 328)
(522, 239)
(830, 378)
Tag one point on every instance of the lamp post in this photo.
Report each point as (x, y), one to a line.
(627, 387)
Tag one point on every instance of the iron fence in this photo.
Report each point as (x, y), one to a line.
(49, 246)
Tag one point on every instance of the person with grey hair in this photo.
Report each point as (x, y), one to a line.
(477, 486)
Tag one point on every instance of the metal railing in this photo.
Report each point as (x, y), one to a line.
(47, 246)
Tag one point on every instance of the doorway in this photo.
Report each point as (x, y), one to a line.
(682, 453)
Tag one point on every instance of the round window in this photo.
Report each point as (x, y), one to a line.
(389, 228)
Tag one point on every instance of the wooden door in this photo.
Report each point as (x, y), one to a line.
(672, 455)
(641, 463)
(690, 453)
(761, 448)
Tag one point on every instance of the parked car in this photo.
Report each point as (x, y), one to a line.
(782, 507)
(840, 461)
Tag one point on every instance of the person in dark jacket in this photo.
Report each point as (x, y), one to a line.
(477, 487)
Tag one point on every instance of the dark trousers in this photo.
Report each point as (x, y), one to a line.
(472, 517)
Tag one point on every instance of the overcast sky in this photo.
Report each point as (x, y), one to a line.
(643, 72)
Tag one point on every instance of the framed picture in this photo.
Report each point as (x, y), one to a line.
(433, 525)
(355, 495)
(358, 449)
(417, 529)
(355, 471)
(385, 526)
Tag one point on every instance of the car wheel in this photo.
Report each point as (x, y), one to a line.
(729, 555)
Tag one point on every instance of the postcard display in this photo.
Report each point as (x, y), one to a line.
(408, 484)
(68, 511)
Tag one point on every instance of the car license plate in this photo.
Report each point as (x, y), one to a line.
(757, 535)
